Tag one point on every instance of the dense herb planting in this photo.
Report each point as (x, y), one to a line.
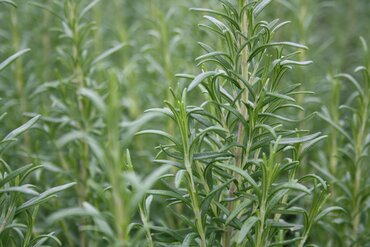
(242, 158)
(19, 200)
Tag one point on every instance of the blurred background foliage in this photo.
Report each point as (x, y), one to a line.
(81, 50)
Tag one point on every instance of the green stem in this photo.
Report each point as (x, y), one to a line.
(144, 219)
(359, 142)
(261, 226)
(79, 79)
(195, 205)
(183, 123)
(243, 111)
(19, 75)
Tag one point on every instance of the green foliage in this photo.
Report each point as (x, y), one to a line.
(237, 164)
(20, 201)
(349, 158)
(241, 159)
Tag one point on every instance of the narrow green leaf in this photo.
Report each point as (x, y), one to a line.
(307, 145)
(189, 239)
(186, 76)
(46, 8)
(69, 212)
(95, 98)
(237, 210)
(210, 155)
(217, 23)
(88, 7)
(100, 222)
(353, 81)
(290, 211)
(41, 239)
(108, 52)
(285, 119)
(14, 174)
(13, 134)
(169, 194)
(207, 200)
(327, 211)
(40, 198)
(13, 57)
(75, 135)
(232, 21)
(179, 176)
(295, 140)
(148, 202)
(291, 62)
(157, 132)
(213, 54)
(245, 83)
(266, 127)
(241, 172)
(9, 2)
(316, 177)
(247, 226)
(281, 224)
(236, 113)
(199, 78)
(260, 7)
(336, 126)
(274, 44)
(280, 96)
(25, 189)
(146, 184)
(275, 199)
(292, 186)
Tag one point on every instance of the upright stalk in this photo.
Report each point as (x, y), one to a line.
(79, 80)
(359, 145)
(245, 76)
(196, 209)
(333, 149)
(113, 164)
(239, 152)
(184, 129)
(19, 73)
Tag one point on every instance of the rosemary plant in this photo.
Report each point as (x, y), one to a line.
(238, 151)
(348, 157)
(85, 131)
(238, 154)
(20, 201)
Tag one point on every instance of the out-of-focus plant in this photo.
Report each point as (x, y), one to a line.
(20, 201)
(347, 156)
(84, 129)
